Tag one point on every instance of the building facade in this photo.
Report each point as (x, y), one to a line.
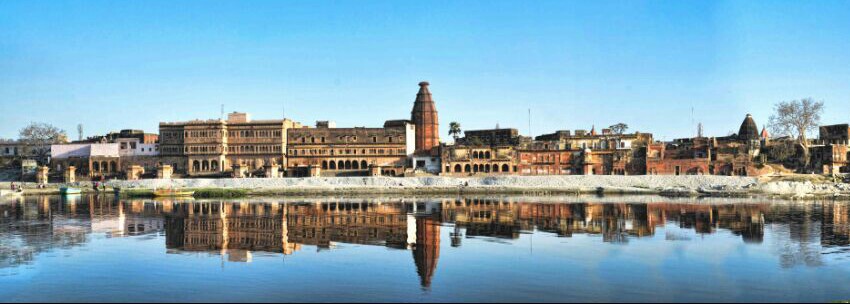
(351, 151)
(215, 147)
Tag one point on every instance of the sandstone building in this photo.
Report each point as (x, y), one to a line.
(216, 147)
(350, 151)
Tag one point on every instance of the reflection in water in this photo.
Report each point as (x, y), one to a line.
(804, 232)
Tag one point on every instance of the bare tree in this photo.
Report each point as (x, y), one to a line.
(795, 119)
(37, 133)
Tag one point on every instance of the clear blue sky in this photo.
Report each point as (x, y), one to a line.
(130, 64)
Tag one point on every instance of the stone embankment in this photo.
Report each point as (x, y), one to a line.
(664, 185)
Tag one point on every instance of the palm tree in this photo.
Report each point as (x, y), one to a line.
(454, 130)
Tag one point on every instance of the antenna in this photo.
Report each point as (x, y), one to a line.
(530, 133)
(222, 112)
(80, 131)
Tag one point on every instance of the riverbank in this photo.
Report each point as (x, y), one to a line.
(537, 185)
(718, 186)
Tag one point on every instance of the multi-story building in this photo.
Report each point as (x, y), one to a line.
(350, 151)
(829, 153)
(738, 154)
(584, 153)
(213, 147)
(482, 152)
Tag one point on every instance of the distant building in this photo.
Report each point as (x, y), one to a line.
(93, 160)
(213, 147)
(351, 151)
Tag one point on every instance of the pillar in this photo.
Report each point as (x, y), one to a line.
(41, 175)
(271, 171)
(164, 172)
(239, 171)
(70, 174)
(374, 170)
(314, 171)
(135, 172)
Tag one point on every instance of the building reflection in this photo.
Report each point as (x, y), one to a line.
(239, 229)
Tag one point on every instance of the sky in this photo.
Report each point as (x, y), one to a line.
(658, 66)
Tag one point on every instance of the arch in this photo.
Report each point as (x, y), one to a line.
(324, 165)
(348, 165)
(104, 166)
(506, 168)
(340, 165)
(475, 169)
(467, 169)
(332, 165)
(205, 165)
(214, 165)
(95, 167)
(113, 166)
(458, 168)
(474, 154)
(364, 165)
(196, 166)
(355, 165)
(487, 168)
(487, 155)
(496, 168)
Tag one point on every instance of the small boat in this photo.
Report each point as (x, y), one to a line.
(70, 190)
(172, 193)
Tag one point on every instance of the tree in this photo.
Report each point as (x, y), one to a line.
(454, 130)
(795, 119)
(619, 128)
(42, 134)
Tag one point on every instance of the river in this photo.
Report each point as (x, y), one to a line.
(424, 249)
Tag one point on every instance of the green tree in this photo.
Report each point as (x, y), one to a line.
(454, 130)
(619, 128)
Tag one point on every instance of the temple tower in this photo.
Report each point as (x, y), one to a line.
(424, 117)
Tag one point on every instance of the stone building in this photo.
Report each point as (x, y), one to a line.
(584, 153)
(738, 154)
(214, 147)
(92, 160)
(829, 153)
(481, 152)
(350, 151)
(426, 121)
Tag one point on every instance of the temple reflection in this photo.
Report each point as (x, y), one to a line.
(238, 229)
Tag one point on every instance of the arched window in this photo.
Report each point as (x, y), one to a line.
(487, 155)
(466, 169)
(214, 165)
(95, 167)
(474, 154)
(332, 165)
(364, 165)
(196, 166)
(113, 166)
(205, 165)
(340, 165)
(458, 168)
(496, 168)
(355, 165)
(505, 168)
(348, 165)
(324, 165)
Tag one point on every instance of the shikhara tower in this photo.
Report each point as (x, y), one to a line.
(424, 117)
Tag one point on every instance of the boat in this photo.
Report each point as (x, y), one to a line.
(172, 193)
(70, 190)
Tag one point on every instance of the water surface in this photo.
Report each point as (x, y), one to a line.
(502, 249)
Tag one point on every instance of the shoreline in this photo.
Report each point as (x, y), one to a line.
(666, 186)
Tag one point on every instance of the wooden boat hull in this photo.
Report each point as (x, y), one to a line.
(173, 193)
